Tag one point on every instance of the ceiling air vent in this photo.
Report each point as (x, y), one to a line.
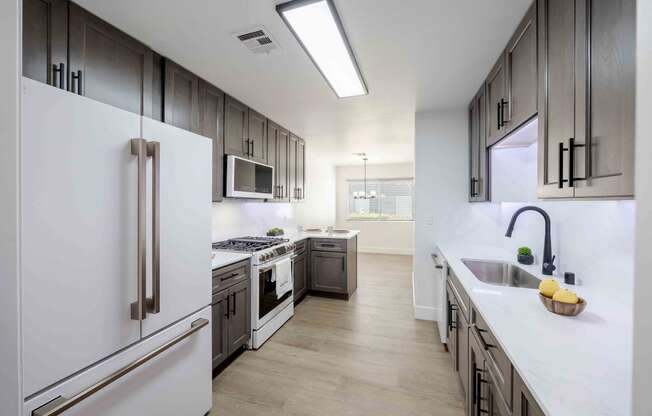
(257, 40)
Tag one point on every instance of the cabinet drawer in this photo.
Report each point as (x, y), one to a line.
(459, 292)
(229, 275)
(300, 247)
(497, 360)
(321, 244)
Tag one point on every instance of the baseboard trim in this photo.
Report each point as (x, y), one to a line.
(386, 250)
(426, 313)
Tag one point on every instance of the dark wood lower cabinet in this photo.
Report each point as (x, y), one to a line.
(334, 265)
(300, 267)
(524, 403)
(490, 382)
(220, 330)
(231, 310)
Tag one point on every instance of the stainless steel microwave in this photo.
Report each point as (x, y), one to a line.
(248, 179)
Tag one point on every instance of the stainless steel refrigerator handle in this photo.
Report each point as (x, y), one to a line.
(139, 149)
(154, 151)
(61, 404)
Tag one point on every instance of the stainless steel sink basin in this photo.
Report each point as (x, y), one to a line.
(501, 274)
(340, 231)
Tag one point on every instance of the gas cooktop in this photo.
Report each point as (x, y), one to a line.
(249, 244)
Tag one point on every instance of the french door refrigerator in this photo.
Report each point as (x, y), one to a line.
(115, 260)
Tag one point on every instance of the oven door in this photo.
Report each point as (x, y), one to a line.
(268, 304)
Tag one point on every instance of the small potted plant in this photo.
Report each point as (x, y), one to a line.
(274, 232)
(525, 255)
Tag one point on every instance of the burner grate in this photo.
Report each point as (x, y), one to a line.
(249, 244)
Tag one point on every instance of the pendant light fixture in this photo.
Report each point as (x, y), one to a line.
(364, 194)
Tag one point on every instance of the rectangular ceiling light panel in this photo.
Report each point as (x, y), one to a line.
(317, 26)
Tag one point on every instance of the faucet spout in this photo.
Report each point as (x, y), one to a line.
(548, 259)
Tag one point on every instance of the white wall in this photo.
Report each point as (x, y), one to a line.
(10, 386)
(382, 237)
(594, 239)
(643, 287)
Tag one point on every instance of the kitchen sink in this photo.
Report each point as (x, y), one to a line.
(501, 274)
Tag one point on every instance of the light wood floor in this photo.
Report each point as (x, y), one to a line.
(367, 356)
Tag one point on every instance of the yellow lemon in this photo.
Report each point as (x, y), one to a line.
(548, 287)
(565, 296)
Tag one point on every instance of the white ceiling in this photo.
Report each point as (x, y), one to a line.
(414, 54)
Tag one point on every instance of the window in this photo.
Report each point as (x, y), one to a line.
(394, 200)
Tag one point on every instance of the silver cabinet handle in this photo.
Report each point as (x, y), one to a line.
(139, 149)
(154, 151)
(61, 404)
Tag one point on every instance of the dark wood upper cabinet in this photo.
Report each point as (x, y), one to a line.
(586, 98)
(301, 169)
(211, 121)
(479, 160)
(257, 139)
(107, 65)
(181, 98)
(45, 41)
(496, 101)
(236, 127)
(521, 66)
(292, 167)
(557, 97)
(277, 156)
(604, 143)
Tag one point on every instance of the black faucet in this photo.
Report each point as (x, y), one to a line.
(548, 259)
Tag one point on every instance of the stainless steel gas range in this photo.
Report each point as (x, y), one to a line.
(268, 310)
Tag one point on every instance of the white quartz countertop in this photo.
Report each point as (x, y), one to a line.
(224, 258)
(572, 365)
(298, 236)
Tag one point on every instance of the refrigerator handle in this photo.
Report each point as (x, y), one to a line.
(139, 149)
(61, 404)
(154, 151)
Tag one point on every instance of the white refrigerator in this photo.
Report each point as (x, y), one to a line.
(115, 242)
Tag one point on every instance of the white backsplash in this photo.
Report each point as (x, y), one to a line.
(238, 218)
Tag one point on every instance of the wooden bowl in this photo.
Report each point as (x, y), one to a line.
(561, 308)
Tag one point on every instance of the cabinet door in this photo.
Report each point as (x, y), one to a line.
(283, 166)
(451, 321)
(496, 102)
(108, 65)
(605, 122)
(300, 284)
(181, 102)
(462, 329)
(236, 127)
(328, 271)
(556, 26)
(521, 66)
(301, 169)
(220, 330)
(478, 153)
(478, 394)
(272, 154)
(240, 315)
(524, 403)
(211, 120)
(292, 167)
(45, 41)
(257, 137)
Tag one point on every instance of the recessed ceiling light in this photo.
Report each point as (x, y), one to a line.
(317, 27)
